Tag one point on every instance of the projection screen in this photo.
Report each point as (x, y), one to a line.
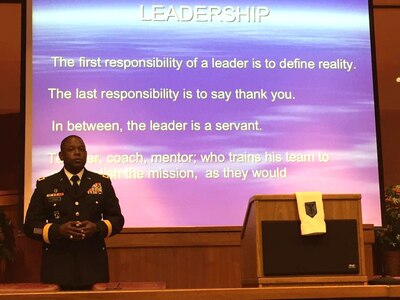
(192, 107)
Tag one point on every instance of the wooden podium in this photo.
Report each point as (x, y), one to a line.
(284, 208)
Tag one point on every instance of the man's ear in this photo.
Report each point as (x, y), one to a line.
(60, 155)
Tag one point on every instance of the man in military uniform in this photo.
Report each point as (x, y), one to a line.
(72, 212)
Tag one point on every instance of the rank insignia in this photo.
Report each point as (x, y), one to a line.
(311, 208)
(95, 189)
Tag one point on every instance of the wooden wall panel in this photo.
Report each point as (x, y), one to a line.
(10, 57)
(10, 151)
(181, 257)
(178, 267)
(387, 43)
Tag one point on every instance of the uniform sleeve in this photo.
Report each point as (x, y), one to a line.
(113, 220)
(36, 225)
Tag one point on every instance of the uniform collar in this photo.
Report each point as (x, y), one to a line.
(69, 174)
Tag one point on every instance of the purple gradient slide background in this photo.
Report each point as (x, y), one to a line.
(333, 111)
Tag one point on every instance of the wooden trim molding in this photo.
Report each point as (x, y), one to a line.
(176, 237)
(386, 3)
(8, 198)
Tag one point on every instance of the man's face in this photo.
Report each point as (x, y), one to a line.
(73, 153)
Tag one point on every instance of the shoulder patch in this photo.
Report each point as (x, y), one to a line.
(105, 176)
(41, 178)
